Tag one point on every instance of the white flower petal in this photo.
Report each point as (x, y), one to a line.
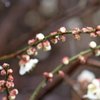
(22, 70)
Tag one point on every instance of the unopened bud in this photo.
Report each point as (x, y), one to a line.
(14, 91)
(5, 65)
(10, 71)
(92, 44)
(3, 72)
(82, 59)
(31, 42)
(62, 30)
(61, 73)
(65, 60)
(39, 36)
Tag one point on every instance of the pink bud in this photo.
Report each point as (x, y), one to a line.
(89, 28)
(93, 34)
(9, 84)
(84, 30)
(32, 51)
(40, 46)
(12, 96)
(3, 72)
(61, 73)
(10, 71)
(50, 80)
(4, 98)
(98, 33)
(98, 28)
(10, 78)
(77, 36)
(48, 75)
(62, 38)
(62, 30)
(14, 91)
(31, 42)
(22, 62)
(54, 40)
(26, 57)
(2, 82)
(82, 59)
(65, 60)
(5, 65)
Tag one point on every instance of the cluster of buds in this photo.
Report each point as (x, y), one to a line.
(76, 34)
(93, 45)
(45, 45)
(8, 82)
(93, 92)
(26, 64)
(48, 76)
(62, 38)
(32, 51)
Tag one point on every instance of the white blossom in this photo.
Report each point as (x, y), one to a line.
(93, 92)
(28, 66)
(40, 36)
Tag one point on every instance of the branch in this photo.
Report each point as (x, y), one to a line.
(37, 42)
(58, 68)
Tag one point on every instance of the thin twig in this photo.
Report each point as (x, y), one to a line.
(58, 68)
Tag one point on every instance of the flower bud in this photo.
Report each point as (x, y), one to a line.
(10, 71)
(77, 37)
(61, 73)
(12, 96)
(5, 65)
(40, 46)
(65, 60)
(14, 91)
(2, 82)
(84, 30)
(98, 28)
(54, 40)
(62, 30)
(32, 51)
(9, 84)
(93, 35)
(98, 33)
(62, 38)
(31, 42)
(39, 36)
(26, 57)
(10, 78)
(4, 98)
(82, 59)
(97, 52)
(92, 44)
(3, 72)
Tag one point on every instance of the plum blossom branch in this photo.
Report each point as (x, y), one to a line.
(41, 85)
(76, 32)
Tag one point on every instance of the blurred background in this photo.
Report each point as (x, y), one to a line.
(21, 20)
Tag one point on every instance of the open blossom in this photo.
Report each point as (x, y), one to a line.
(27, 66)
(93, 92)
(83, 80)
